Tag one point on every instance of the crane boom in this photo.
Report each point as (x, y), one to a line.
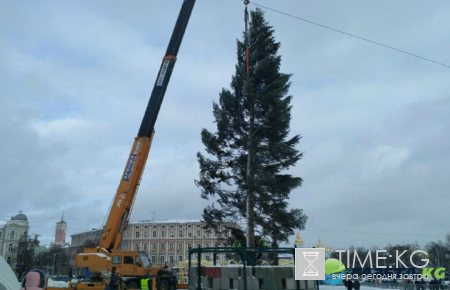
(165, 71)
(119, 215)
(134, 264)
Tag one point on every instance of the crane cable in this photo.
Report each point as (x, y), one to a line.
(247, 50)
(251, 152)
(247, 53)
(350, 34)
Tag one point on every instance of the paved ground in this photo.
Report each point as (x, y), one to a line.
(342, 287)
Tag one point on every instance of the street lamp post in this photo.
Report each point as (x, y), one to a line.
(54, 264)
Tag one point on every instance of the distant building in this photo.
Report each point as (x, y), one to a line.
(328, 250)
(298, 241)
(170, 240)
(164, 241)
(80, 239)
(60, 234)
(78, 242)
(11, 234)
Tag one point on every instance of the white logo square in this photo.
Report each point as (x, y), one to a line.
(309, 264)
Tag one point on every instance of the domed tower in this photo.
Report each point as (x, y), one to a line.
(298, 241)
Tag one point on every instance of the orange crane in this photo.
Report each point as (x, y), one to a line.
(135, 264)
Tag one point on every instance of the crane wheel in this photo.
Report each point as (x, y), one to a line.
(132, 285)
(163, 285)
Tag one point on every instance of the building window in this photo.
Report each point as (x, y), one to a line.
(145, 234)
(216, 234)
(8, 260)
(180, 258)
(154, 247)
(206, 245)
(216, 245)
(0, 235)
(171, 259)
(136, 247)
(171, 247)
(161, 247)
(163, 234)
(136, 235)
(207, 258)
(162, 259)
(137, 227)
(10, 247)
(180, 247)
(208, 234)
(12, 235)
(198, 233)
(153, 259)
(180, 234)
(171, 233)
(199, 245)
(225, 233)
(189, 246)
(154, 234)
(145, 247)
(189, 234)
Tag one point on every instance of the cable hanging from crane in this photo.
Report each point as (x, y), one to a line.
(247, 50)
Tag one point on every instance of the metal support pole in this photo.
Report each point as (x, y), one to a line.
(199, 267)
(245, 268)
(189, 268)
(54, 264)
(297, 281)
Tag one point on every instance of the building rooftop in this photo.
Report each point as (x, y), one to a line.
(20, 217)
(86, 232)
(168, 221)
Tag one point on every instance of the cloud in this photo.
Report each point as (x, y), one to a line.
(75, 79)
(384, 159)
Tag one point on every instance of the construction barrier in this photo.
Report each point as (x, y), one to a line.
(255, 278)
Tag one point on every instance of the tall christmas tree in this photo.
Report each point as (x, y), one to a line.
(251, 151)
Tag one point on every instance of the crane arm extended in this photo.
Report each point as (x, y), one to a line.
(120, 212)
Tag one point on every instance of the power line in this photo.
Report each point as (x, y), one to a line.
(349, 34)
(376, 233)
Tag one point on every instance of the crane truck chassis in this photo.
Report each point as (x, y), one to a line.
(134, 265)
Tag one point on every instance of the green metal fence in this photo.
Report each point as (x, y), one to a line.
(249, 257)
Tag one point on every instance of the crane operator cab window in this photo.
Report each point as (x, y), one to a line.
(128, 260)
(138, 261)
(143, 258)
(117, 259)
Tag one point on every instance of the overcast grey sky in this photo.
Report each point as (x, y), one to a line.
(75, 78)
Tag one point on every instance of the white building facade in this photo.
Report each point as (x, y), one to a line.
(170, 240)
(11, 234)
(164, 241)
